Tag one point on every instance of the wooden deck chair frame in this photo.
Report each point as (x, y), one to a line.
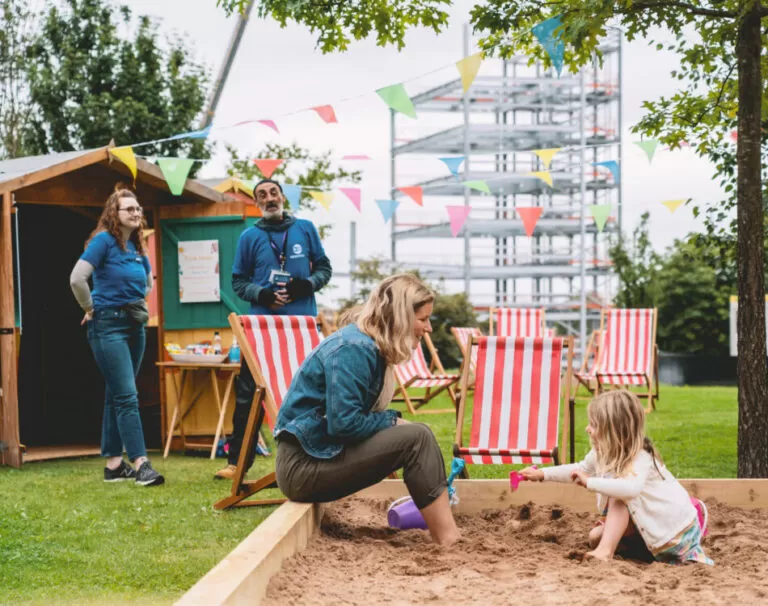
(651, 379)
(492, 314)
(568, 428)
(414, 403)
(593, 349)
(465, 354)
(263, 402)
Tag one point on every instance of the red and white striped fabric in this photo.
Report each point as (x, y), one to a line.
(519, 322)
(549, 333)
(463, 335)
(627, 352)
(415, 373)
(517, 401)
(281, 344)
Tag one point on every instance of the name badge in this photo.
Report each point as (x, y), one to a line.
(279, 278)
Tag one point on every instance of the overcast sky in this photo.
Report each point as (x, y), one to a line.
(278, 70)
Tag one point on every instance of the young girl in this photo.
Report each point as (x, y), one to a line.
(636, 493)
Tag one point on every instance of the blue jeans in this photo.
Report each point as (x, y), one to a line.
(118, 345)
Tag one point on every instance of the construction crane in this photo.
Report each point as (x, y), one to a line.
(229, 58)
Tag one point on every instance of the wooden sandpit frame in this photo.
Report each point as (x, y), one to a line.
(242, 576)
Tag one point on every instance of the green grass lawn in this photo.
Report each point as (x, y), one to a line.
(66, 537)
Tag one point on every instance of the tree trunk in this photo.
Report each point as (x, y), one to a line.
(752, 372)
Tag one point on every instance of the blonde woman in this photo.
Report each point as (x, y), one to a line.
(335, 434)
(637, 494)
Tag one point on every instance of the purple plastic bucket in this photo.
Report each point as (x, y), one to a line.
(404, 514)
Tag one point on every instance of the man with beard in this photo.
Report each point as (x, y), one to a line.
(279, 265)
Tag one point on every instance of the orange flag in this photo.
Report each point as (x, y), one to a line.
(326, 113)
(414, 193)
(530, 216)
(267, 166)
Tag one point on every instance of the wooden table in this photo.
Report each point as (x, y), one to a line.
(186, 369)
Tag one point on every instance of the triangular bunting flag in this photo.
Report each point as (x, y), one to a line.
(544, 175)
(468, 68)
(269, 123)
(546, 155)
(414, 193)
(530, 216)
(355, 157)
(396, 97)
(267, 166)
(458, 216)
(552, 43)
(673, 205)
(292, 193)
(326, 113)
(387, 208)
(453, 164)
(648, 146)
(195, 134)
(600, 213)
(478, 185)
(612, 166)
(175, 171)
(353, 193)
(324, 197)
(127, 157)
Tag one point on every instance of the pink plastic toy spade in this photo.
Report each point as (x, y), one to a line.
(515, 477)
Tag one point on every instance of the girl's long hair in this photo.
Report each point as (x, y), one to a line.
(389, 315)
(618, 421)
(110, 222)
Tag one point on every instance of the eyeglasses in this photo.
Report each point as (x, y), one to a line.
(133, 210)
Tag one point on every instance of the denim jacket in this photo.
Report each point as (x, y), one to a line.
(329, 402)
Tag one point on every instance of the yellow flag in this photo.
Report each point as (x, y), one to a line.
(468, 68)
(546, 155)
(126, 156)
(324, 197)
(544, 175)
(673, 205)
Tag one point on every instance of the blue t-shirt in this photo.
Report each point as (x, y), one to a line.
(256, 259)
(120, 276)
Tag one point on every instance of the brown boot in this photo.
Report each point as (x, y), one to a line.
(226, 474)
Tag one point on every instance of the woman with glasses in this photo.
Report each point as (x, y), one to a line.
(116, 315)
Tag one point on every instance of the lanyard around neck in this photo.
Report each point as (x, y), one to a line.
(280, 254)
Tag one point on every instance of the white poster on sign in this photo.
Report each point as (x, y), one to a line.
(199, 271)
(733, 316)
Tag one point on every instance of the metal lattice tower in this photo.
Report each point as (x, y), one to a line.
(496, 126)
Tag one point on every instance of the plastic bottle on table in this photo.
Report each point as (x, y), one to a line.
(234, 352)
(216, 343)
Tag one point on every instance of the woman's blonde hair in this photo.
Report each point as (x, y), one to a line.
(618, 422)
(389, 315)
(349, 316)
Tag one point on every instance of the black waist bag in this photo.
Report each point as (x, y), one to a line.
(137, 311)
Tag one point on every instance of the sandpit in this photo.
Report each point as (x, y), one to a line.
(528, 554)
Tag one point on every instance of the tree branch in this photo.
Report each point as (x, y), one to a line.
(696, 10)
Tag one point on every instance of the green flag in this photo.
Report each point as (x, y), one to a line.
(600, 213)
(396, 97)
(175, 171)
(649, 147)
(478, 185)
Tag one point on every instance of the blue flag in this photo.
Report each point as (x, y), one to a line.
(612, 166)
(553, 44)
(292, 193)
(387, 208)
(453, 164)
(195, 134)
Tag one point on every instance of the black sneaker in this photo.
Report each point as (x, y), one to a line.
(122, 473)
(146, 476)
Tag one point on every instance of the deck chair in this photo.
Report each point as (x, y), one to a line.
(516, 410)
(586, 374)
(628, 355)
(516, 322)
(416, 374)
(462, 336)
(273, 347)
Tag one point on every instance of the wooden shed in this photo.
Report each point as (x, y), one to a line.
(51, 393)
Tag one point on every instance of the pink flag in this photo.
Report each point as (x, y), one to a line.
(414, 193)
(356, 157)
(458, 216)
(530, 216)
(270, 123)
(267, 166)
(353, 193)
(326, 113)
